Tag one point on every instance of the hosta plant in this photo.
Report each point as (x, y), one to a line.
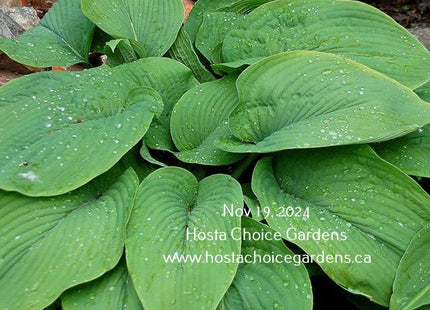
(224, 163)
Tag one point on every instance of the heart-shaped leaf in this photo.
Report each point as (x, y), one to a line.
(363, 212)
(412, 283)
(113, 290)
(200, 117)
(171, 206)
(267, 284)
(58, 133)
(154, 24)
(348, 28)
(310, 99)
(62, 38)
(50, 244)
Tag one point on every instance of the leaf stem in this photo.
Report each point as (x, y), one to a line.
(240, 169)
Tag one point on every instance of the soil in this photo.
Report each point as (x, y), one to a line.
(408, 13)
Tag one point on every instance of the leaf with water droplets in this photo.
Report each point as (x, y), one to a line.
(272, 285)
(359, 202)
(48, 245)
(171, 211)
(154, 24)
(62, 38)
(412, 284)
(61, 129)
(200, 117)
(214, 28)
(410, 153)
(309, 99)
(113, 290)
(200, 9)
(347, 28)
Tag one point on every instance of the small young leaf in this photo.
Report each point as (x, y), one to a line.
(170, 206)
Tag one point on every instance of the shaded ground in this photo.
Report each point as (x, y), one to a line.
(408, 13)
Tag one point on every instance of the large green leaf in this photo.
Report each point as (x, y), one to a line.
(50, 244)
(62, 38)
(114, 290)
(410, 153)
(267, 285)
(153, 24)
(348, 28)
(170, 206)
(308, 99)
(412, 283)
(363, 205)
(183, 51)
(60, 129)
(200, 117)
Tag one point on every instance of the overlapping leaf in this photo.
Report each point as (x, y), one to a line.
(410, 153)
(215, 27)
(267, 285)
(310, 99)
(171, 202)
(60, 130)
(153, 24)
(113, 290)
(347, 28)
(200, 117)
(62, 38)
(412, 284)
(200, 9)
(349, 191)
(424, 91)
(183, 51)
(50, 244)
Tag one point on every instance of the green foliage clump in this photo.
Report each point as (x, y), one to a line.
(216, 164)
